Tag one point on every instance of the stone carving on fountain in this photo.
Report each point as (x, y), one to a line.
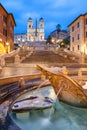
(67, 89)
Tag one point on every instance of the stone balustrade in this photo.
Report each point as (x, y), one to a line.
(10, 54)
(43, 78)
(82, 59)
(23, 58)
(0, 69)
(17, 59)
(2, 62)
(21, 83)
(64, 70)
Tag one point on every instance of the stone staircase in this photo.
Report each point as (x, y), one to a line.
(47, 56)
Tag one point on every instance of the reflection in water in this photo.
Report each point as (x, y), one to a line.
(59, 117)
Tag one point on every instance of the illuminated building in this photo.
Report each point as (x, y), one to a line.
(35, 32)
(7, 24)
(78, 34)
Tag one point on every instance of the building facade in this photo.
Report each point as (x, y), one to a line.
(35, 31)
(18, 38)
(59, 36)
(7, 24)
(78, 34)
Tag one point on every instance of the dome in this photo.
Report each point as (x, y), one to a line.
(41, 19)
(30, 19)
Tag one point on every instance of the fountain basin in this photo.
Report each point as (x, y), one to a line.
(60, 117)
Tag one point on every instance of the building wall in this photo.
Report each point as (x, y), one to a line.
(31, 35)
(78, 34)
(7, 24)
(59, 36)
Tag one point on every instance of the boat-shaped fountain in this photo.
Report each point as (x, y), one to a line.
(67, 89)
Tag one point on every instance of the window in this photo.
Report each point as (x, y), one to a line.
(41, 25)
(78, 37)
(72, 39)
(78, 47)
(86, 21)
(11, 35)
(73, 49)
(72, 28)
(1, 17)
(4, 32)
(86, 35)
(11, 25)
(78, 25)
(29, 37)
(41, 37)
(5, 19)
(29, 26)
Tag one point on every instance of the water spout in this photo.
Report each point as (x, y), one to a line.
(56, 104)
(43, 83)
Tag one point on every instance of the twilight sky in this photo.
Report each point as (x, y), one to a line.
(54, 12)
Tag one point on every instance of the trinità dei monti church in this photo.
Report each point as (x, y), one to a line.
(35, 32)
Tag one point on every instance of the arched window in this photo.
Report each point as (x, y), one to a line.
(29, 26)
(29, 37)
(78, 47)
(41, 37)
(41, 25)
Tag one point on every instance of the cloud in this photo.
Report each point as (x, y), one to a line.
(30, 14)
(59, 3)
(11, 5)
(53, 11)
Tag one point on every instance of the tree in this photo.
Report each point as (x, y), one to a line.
(49, 40)
(65, 42)
(58, 28)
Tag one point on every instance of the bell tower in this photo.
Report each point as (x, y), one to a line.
(41, 23)
(29, 29)
(30, 23)
(41, 29)
(35, 30)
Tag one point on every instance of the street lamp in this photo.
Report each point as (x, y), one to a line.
(7, 43)
(83, 49)
(0, 40)
(7, 47)
(52, 40)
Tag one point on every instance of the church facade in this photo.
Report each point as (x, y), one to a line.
(35, 32)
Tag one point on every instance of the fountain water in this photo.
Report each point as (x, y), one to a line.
(63, 116)
(43, 83)
(56, 104)
(40, 85)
